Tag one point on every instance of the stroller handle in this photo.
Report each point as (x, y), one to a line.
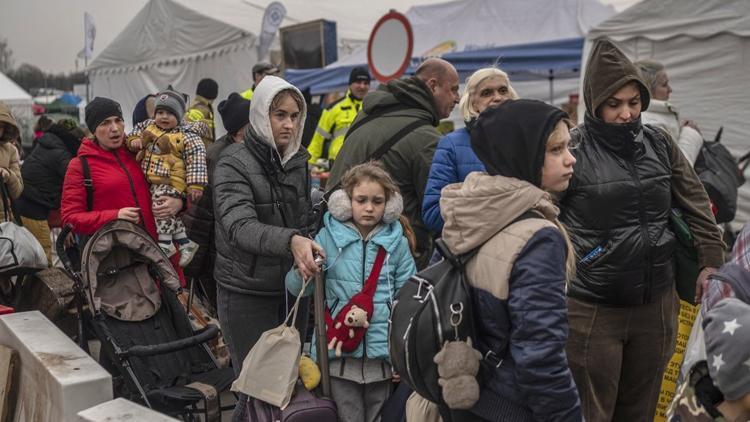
(201, 336)
(60, 246)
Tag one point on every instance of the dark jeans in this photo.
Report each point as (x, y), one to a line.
(618, 356)
(244, 318)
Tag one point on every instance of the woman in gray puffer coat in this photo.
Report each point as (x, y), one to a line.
(262, 210)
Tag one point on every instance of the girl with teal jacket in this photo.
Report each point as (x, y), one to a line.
(362, 217)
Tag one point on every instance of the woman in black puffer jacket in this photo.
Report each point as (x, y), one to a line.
(43, 172)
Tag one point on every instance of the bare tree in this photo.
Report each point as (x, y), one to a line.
(6, 56)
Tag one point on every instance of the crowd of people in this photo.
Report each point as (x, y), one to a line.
(574, 275)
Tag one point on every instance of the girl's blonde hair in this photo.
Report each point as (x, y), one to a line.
(570, 259)
(466, 105)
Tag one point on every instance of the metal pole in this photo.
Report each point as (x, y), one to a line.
(551, 87)
(86, 73)
(321, 346)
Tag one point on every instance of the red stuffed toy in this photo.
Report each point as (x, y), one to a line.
(346, 331)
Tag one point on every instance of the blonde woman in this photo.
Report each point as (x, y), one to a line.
(454, 159)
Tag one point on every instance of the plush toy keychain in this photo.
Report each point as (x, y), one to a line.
(346, 331)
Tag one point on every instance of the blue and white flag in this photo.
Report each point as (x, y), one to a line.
(272, 18)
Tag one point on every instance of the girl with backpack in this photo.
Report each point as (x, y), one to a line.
(368, 259)
(524, 259)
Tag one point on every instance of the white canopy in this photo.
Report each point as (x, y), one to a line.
(10, 92)
(704, 45)
(179, 42)
(19, 102)
(477, 24)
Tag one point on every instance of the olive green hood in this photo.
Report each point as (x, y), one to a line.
(607, 70)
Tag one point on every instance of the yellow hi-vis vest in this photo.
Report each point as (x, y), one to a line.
(332, 126)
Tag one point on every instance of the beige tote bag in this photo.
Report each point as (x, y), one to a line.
(270, 370)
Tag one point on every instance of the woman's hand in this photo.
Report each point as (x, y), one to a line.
(4, 174)
(303, 250)
(166, 206)
(131, 214)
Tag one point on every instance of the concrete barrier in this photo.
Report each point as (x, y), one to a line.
(57, 379)
(122, 410)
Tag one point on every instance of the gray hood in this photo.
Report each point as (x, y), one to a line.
(260, 108)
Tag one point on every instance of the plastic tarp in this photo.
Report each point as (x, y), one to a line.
(705, 46)
(539, 61)
(484, 30)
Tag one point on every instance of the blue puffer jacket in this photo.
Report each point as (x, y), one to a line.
(453, 160)
(518, 277)
(349, 260)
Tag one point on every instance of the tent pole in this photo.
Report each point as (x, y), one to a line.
(551, 87)
(86, 73)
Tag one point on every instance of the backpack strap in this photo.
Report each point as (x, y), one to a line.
(385, 147)
(378, 113)
(88, 183)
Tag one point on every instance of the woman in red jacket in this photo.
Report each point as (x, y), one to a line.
(120, 189)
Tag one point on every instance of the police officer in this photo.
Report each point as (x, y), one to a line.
(336, 119)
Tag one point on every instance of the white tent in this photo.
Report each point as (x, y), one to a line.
(179, 42)
(465, 25)
(705, 46)
(19, 102)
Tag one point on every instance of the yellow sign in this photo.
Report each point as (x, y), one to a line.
(686, 318)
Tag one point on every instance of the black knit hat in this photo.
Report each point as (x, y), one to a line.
(235, 112)
(99, 110)
(359, 74)
(208, 89)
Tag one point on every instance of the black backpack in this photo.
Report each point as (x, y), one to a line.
(433, 306)
(721, 177)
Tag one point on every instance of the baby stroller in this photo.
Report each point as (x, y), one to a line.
(126, 292)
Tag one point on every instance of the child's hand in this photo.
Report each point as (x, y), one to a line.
(136, 144)
(194, 195)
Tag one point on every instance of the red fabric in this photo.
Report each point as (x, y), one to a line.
(112, 191)
(363, 300)
(53, 219)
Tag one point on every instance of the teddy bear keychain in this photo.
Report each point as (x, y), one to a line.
(346, 331)
(458, 365)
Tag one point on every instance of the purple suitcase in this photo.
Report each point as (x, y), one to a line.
(304, 407)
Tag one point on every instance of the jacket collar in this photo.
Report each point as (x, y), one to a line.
(625, 140)
(205, 101)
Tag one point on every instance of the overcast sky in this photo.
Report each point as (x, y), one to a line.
(49, 33)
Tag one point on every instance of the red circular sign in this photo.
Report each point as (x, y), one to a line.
(390, 46)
